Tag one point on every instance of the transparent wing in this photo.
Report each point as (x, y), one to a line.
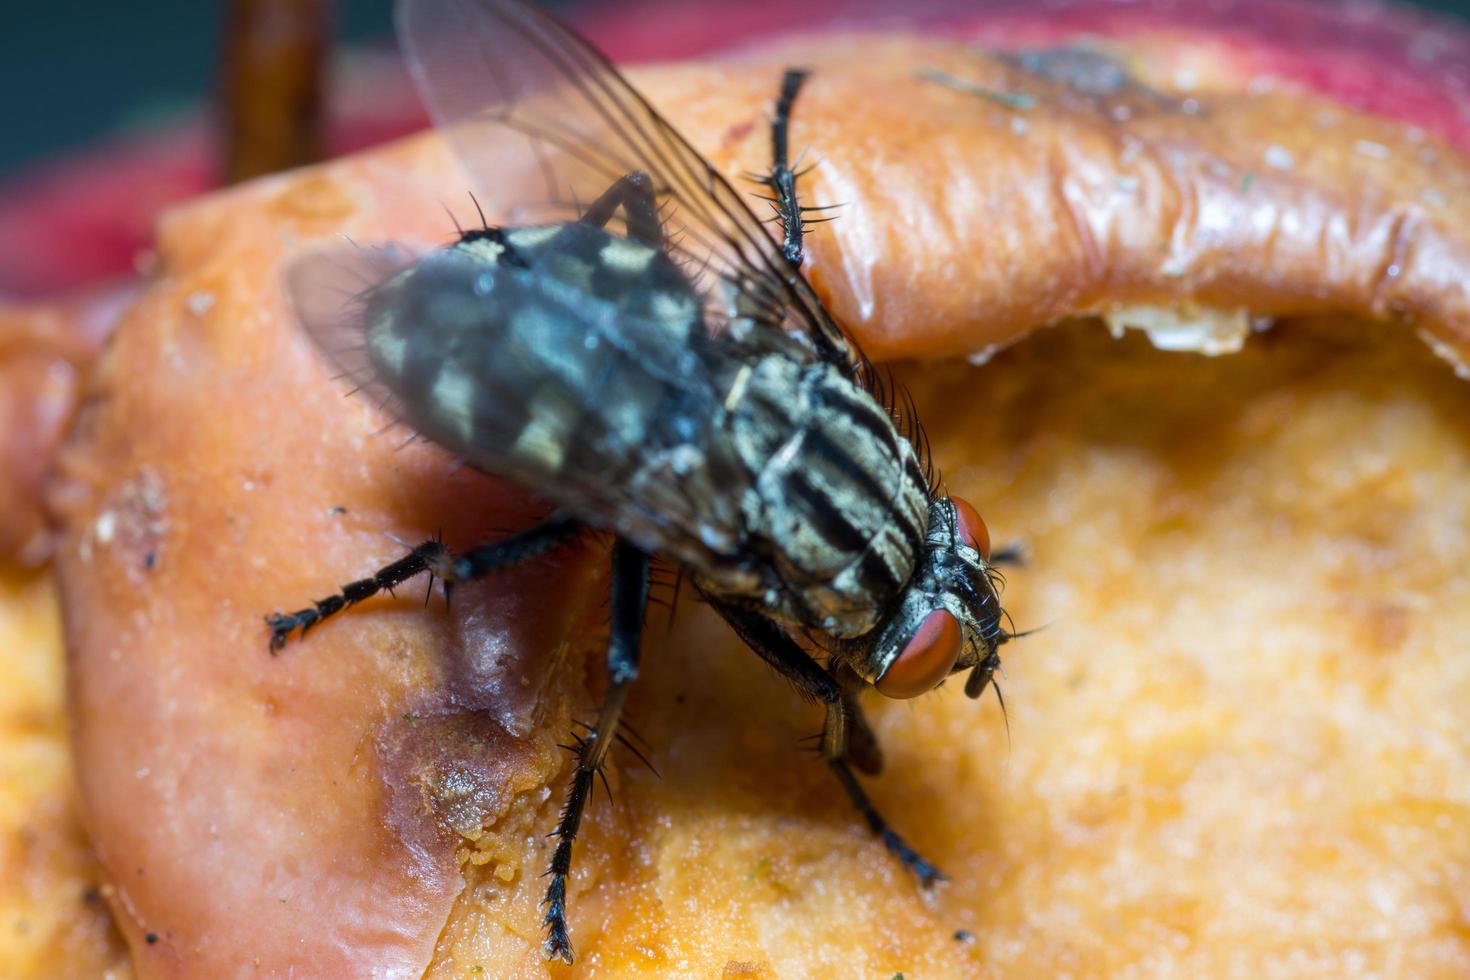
(329, 290)
(545, 124)
(596, 415)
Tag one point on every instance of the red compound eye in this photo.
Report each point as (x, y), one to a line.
(972, 529)
(925, 660)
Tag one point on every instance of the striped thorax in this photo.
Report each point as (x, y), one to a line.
(837, 496)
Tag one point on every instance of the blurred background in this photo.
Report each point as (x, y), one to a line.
(71, 70)
(116, 111)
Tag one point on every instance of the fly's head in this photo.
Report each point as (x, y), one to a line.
(948, 617)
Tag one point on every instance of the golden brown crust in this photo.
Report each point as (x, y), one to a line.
(993, 199)
(1235, 743)
(51, 894)
(44, 354)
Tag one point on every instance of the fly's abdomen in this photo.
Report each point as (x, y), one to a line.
(569, 360)
(838, 500)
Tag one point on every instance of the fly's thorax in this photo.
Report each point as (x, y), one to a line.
(951, 576)
(837, 504)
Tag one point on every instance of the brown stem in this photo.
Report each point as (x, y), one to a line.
(271, 85)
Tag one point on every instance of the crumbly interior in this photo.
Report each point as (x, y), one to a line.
(1237, 742)
(53, 920)
(1236, 739)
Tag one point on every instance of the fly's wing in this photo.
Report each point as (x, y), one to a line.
(329, 290)
(598, 414)
(545, 124)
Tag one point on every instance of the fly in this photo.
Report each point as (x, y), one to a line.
(683, 390)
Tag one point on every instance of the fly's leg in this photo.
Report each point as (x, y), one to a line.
(782, 179)
(863, 750)
(846, 741)
(772, 644)
(439, 561)
(927, 873)
(1013, 555)
(634, 194)
(846, 738)
(629, 602)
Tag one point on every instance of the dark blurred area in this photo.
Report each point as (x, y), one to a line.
(73, 70)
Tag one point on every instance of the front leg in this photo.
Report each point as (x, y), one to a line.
(629, 602)
(863, 750)
(1013, 555)
(773, 645)
(836, 746)
(846, 737)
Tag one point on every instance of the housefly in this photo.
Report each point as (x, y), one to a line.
(633, 346)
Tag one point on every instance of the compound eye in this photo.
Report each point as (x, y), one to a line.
(972, 529)
(928, 658)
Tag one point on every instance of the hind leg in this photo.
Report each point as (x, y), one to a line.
(634, 194)
(439, 561)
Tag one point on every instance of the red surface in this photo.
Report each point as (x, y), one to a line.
(1383, 58)
(86, 218)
